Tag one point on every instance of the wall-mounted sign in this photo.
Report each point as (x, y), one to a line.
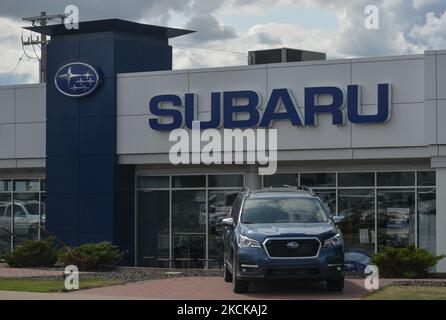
(77, 79)
(181, 111)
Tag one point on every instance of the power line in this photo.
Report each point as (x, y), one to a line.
(221, 51)
(15, 68)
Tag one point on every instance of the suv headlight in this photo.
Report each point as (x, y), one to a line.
(248, 242)
(334, 241)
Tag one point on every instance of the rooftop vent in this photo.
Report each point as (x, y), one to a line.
(283, 55)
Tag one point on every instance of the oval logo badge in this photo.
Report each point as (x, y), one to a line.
(292, 245)
(77, 79)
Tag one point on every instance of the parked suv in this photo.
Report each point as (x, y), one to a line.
(282, 232)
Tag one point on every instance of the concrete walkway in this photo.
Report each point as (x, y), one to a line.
(7, 272)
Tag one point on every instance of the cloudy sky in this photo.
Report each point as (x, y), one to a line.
(227, 29)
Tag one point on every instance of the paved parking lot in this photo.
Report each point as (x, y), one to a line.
(199, 288)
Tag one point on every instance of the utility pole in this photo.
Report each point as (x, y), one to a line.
(40, 41)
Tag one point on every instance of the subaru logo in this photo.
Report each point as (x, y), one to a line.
(76, 79)
(292, 245)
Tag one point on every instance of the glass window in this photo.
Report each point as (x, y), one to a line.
(189, 250)
(189, 181)
(153, 182)
(5, 185)
(396, 219)
(291, 179)
(43, 185)
(427, 219)
(318, 179)
(356, 179)
(189, 211)
(5, 223)
(26, 216)
(283, 210)
(220, 203)
(328, 198)
(396, 179)
(358, 228)
(153, 228)
(426, 178)
(226, 181)
(43, 211)
(26, 185)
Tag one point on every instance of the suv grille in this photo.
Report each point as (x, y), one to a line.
(280, 248)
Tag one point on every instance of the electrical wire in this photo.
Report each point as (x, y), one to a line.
(15, 68)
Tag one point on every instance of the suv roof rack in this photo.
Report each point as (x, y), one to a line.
(308, 189)
(246, 189)
(303, 188)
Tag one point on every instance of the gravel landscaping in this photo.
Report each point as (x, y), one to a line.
(140, 274)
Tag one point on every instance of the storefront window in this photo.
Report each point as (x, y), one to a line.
(26, 185)
(328, 198)
(396, 218)
(426, 178)
(220, 204)
(315, 180)
(188, 181)
(26, 216)
(153, 182)
(356, 179)
(291, 179)
(180, 219)
(396, 179)
(5, 223)
(153, 228)
(358, 228)
(427, 219)
(226, 181)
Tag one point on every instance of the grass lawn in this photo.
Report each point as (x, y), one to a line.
(408, 293)
(50, 285)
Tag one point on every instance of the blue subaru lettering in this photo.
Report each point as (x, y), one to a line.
(177, 117)
(251, 108)
(354, 100)
(334, 108)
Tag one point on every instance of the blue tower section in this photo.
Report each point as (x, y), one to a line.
(90, 197)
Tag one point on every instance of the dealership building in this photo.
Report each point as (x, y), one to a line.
(85, 157)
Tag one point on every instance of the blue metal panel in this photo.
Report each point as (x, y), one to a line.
(91, 197)
(64, 209)
(97, 173)
(62, 136)
(62, 175)
(94, 213)
(97, 135)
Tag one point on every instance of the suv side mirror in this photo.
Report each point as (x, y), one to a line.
(338, 219)
(228, 222)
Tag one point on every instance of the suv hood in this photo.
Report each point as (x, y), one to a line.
(266, 230)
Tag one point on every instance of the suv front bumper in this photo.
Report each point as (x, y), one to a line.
(254, 264)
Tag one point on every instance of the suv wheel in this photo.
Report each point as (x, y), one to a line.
(238, 286)
(335, 285)
(228, 274)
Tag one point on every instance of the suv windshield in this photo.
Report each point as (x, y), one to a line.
(283, 210)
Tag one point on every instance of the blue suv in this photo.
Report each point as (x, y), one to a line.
(282, 232)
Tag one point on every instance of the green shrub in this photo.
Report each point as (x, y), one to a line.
(33, 253)
(91, 256)
(407, 262)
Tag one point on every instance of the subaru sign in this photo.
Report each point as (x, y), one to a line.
(227, 100)
(77, 79)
